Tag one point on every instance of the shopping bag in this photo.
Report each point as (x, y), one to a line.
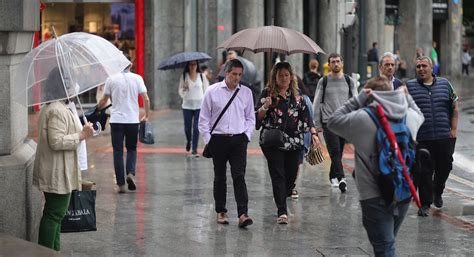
(80, 215)
(146, 134)
(314, 155)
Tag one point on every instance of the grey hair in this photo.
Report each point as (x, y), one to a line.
(425, 58)
(387, 54)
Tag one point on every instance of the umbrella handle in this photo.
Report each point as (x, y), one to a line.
(99, 127)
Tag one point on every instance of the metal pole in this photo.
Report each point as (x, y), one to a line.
(362, 63)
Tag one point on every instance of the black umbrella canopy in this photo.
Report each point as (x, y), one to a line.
(179, 60)
(250, 76)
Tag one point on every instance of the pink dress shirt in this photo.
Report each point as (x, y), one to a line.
(239, 117)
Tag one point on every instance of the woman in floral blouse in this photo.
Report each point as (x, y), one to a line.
(282, 107)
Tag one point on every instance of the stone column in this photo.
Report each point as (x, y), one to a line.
(164, 36)
(381, 27)
(424, 26)
(250, 15)
(207, 31)
(451, 47)
(289, 14)
(415, 30)
(375, 24)
(20, 201)
(327, 19)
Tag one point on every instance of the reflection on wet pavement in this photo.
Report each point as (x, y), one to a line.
(172, 211)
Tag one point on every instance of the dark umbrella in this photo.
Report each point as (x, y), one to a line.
(179, 60)
(250, 76)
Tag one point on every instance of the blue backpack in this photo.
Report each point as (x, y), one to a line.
(392, 183)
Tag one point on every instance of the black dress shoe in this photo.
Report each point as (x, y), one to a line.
(438, 201)
(188, 146)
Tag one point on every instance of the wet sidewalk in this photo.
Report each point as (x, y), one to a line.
(172, 211)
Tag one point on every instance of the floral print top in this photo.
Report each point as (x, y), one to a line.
(294, 112)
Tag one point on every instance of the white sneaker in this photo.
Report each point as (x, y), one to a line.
(343, 185)
(334, 182)
(122, 189)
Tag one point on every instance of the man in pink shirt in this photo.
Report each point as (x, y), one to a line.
(229, 139)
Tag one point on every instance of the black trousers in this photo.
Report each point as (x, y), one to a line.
(283, 168)
(119, 132)
(335, 146)
(465, 69)
(233, 150)
(433, 181)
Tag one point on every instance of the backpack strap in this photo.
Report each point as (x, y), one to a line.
(372, 115)
(348, 81)
(325, 83)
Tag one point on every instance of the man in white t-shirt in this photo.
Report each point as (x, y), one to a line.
(123, 89)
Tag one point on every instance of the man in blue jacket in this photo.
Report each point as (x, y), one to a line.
(437, 100)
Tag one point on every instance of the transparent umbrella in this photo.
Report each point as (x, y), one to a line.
(64, 67)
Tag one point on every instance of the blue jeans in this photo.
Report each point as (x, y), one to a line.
(382, 224)
(191, 120)
(120, 131)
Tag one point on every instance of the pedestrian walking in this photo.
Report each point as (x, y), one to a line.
(311, 78)
(124, 89)
(373, 54)
(332, 92)
(207, 71)
(436, 98)
(56, 170)
(466, 60)
(387, 68)
(283, 110)
(192, 86)
(381, 220)
(434, 58)
(229, 139)
(401, 65)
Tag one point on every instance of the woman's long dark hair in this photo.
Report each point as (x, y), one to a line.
(186, 69)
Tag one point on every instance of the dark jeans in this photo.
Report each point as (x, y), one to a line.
(382, 224)
(465, 68)
(55, 208)
(433, 181)
(233, 150)
(335, 146)
(120, 131)
(191, 120)
(283, 168)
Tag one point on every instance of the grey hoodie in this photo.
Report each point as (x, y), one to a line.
(355, 125)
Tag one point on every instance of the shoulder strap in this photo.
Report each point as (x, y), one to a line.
(201, 77)
(348, 81)
(225, 109)
(372, 115)
(325, 83)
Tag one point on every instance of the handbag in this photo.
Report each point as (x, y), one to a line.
(80, 215)
(274, 137)
(146, 134)
(207, 152)
(314, 155)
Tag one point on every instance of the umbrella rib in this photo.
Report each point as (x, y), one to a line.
(57, 46)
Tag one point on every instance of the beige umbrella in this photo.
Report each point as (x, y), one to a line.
(271, 39)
